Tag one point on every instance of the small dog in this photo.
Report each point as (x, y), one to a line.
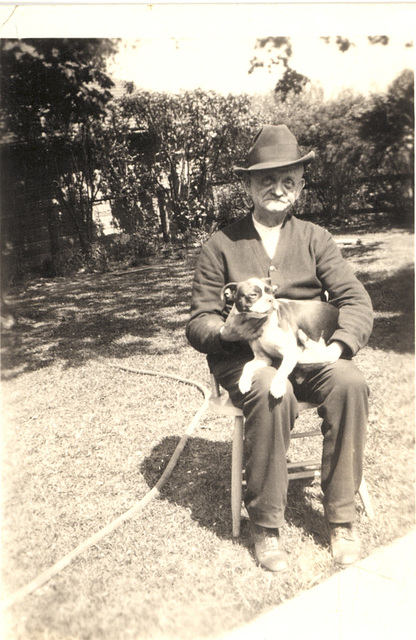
(282, 318)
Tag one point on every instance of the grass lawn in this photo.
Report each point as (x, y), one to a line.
(82, 442)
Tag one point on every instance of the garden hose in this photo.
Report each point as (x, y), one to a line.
(46, 575)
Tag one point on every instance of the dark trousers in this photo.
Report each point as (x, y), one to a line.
(341, 393)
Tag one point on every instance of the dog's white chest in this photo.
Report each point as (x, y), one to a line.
(274, 340)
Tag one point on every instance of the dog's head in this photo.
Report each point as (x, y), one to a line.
(253, 295)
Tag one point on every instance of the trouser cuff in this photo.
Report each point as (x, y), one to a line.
(338, 515)
(270, 520)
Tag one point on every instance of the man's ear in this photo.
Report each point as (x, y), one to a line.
(301, 184)
(246, 183)
(228, 292)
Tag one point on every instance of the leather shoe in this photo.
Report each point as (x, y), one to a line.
(267, 549)
(345, 544)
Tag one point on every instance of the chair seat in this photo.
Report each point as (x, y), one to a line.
(222, 405)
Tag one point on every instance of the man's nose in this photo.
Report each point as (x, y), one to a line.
(277, 188)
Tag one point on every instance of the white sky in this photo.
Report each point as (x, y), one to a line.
(184, 46)
(190, 62)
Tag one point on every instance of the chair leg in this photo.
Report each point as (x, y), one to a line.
(236, 475)
(365, 499)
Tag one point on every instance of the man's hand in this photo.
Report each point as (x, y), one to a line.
(318, 352)
(242, 326)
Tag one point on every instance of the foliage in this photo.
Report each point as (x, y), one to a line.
(54, 92)
(48, 84)
(164, 161)
(77, 182)
(344, 44)
(336, 171)
(276, 52)
(232, 203)
(384, 40)
(73, 262)
(291, 81)
(130, 249)
(196, 137)
(123, 178)
(271, 51)
(386, 125)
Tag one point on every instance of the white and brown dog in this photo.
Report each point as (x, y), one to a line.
(279, 331)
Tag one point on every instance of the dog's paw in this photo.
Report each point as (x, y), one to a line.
(244, 384)
(278, 388)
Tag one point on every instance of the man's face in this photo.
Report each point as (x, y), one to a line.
(274, 191)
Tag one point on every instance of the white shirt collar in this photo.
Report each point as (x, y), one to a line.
(269, 236)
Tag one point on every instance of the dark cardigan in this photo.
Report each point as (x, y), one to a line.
(306, 264)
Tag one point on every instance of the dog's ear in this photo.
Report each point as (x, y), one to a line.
(228, 292)
(246, 326)
(284, 317)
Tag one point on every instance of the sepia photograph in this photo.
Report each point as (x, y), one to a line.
(207, 321)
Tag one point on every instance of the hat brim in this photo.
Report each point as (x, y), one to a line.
(277, 164)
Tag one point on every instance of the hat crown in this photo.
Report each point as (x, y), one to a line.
(274, 146)
(273, 142)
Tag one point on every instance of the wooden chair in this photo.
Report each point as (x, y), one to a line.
(220, 403)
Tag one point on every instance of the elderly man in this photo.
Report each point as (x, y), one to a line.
(303, 262)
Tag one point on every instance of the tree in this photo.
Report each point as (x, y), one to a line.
(290, 82)
(344, 44)
(49, 84)
(197, 137)
(54, 92)
(336, 174)
(276, 52)
(386, 125)
(271, 51)
(124, 171)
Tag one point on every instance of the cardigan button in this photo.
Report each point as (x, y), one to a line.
(272, 268)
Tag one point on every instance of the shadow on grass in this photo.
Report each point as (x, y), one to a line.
(394, 306)
(118, 315)
(364, 252)
(201, 483)
(144, 311)
(392, 297)
(301, 513)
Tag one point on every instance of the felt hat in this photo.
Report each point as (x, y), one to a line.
(274, 146)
